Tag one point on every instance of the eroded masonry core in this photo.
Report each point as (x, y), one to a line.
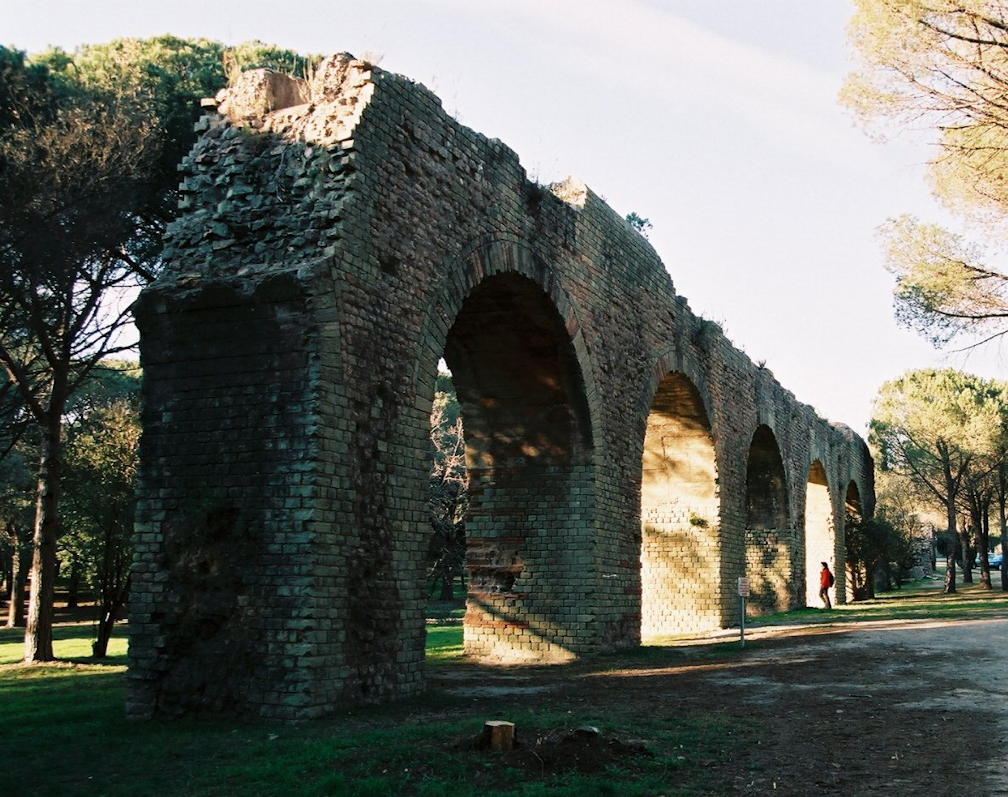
(820, 536)
(528, 446)
(679, 514)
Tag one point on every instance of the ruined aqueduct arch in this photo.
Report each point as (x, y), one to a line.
(627, 462)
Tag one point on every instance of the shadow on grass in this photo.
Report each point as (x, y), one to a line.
(919, 601)
(72, 735)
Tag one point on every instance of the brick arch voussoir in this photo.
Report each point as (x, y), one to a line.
(812, 460)
(852, 479)
(789, 498)
(802, 484)
(488, 257)
(671, 361)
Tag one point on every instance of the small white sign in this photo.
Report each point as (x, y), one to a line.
(743, 587)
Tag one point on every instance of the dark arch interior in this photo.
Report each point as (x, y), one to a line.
(852, 501)
(679, 513)
(528, 449)
(766, 486)
(517, 378)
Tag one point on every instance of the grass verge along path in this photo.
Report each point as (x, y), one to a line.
(668, 721)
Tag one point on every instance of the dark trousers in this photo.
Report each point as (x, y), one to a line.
(824, 595)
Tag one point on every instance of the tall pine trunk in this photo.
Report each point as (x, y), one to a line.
(1003, 521)
(968, 552)
(1004, 546)
(38, 631)
(984, 546)
(950, 558)
(73, 585)
(16, 608)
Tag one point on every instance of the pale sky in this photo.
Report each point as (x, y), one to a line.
(715, 119)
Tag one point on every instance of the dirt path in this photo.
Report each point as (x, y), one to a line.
(896, 707)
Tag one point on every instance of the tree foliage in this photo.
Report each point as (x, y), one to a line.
(88, 147)
(640, 223)
(873, 544)
(943, 65)
(101, 466)
(935, 428)
(942, 287)
(449, 491)
(75, 164)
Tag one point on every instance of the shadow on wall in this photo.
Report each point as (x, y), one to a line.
(769, 556)
(680, 556)
(528, 448)
(769, 540)
(680, 589)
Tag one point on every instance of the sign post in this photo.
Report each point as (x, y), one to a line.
(743, 591)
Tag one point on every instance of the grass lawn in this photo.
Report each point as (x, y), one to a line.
(921, 600)
(66, 733)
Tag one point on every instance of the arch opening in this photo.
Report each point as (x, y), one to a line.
(680, 514)
(769, 537)
(820, 535)
(852, 501)
(528, 445)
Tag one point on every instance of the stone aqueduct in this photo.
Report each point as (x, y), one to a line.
(627, 462)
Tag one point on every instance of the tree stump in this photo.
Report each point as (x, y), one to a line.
(498, 735)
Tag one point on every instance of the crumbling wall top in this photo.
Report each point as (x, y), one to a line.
(322, 110)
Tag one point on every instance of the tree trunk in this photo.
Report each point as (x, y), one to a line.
(1002, 499)
(1004, 547)
(950, 558)
(73, 585)
(16, 608)
(106, 624)
(968, 552)
(984, 545)
(38, 632)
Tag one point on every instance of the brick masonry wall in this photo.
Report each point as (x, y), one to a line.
(330, 254)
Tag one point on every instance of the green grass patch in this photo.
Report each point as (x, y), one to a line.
(70, 642)
(410, 748)
(916, 601)
(444, 643)
(73, 737)
(68, 726)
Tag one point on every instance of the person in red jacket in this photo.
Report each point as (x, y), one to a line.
(825, 582)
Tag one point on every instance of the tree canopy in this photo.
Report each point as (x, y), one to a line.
(942, 65)
(935, 428)
(89, 142)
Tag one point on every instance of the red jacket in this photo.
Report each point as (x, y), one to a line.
(824, 578)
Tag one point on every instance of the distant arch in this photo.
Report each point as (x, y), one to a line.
(820, 534)
(769, 538)
(680, 513)
(766, 483)
(852, 501)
